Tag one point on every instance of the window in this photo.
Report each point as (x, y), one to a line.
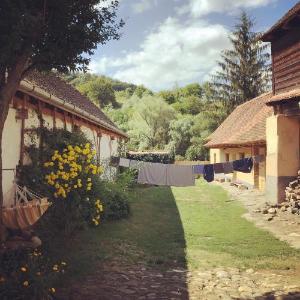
(242, 155)
(227, 157)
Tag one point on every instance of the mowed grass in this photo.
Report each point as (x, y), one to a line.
(196, 227)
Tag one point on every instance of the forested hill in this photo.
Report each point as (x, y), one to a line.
(178, 120)
(181, 119)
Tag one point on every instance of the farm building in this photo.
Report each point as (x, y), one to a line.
(270, 123)
(243, 134)
(47, 100)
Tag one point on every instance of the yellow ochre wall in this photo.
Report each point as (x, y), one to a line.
(282, 155)
(219, 155)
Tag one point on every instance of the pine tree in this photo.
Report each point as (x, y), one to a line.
(245, 69)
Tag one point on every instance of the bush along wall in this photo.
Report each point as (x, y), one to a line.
(65, 170)
(155, 157)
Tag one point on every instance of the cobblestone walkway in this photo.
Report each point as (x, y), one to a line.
(114, 282)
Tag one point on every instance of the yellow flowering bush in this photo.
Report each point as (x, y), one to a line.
(71, 174)
(70, 170)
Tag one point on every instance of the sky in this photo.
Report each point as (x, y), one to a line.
(167, 43)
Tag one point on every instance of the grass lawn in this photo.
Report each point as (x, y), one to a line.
(197, 227)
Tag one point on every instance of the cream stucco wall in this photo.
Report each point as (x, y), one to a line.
(221, 155)
(11, 144)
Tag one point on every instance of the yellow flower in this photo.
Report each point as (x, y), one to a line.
(55, 268)
(26, 283)
(23, 269)
(89, 179)
(52, 290)
(75, 186)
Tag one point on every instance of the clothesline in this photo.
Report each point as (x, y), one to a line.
(184, 175)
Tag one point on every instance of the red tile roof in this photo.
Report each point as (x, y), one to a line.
(285, 97)
(244, 126)
(267, 36)
(59, 88)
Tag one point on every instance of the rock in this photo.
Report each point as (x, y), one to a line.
(265, 211)
(289, 209)
(283, 208)
(293, 184)
(245, 289)
(222, 274)
(294, 210)
(272, 211)
(250, 271)
(269, 217)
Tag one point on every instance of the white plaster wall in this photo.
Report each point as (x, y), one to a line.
(59, 123)
(48, 121)
(11, 144)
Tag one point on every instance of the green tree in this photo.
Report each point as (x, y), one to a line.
(180, 134)
(149, 126)
(41, 34)
(99, 90)
(244, 70)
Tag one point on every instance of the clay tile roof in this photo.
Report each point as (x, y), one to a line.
(59, 88)
(285, 96)
(267, 36)
(245, 125)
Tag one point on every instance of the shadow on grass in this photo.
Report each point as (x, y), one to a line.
(142, 257)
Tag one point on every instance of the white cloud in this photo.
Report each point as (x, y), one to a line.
(143, 5)
(175, 52)
(204, 7)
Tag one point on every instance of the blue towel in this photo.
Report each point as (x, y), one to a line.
(208, 173)
(198, 169)
(244, 165)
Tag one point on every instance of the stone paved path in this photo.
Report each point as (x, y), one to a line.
(127, 282)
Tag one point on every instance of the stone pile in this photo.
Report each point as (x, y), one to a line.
(290, 205)
(292, 199)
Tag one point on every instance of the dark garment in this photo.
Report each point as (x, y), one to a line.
(208, 173)
(198, 169)
(244, 165)
(228, 167)
(218, 168)
(258, 159)
(114, 161)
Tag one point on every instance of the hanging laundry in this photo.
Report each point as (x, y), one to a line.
(258, 159)
(180, 176)
(198, 169)
(114, 161)
(124, 162)
(153, 173)
(208, 173)
(135, 164)
(218, 168)
(244, 165)
(228, 167)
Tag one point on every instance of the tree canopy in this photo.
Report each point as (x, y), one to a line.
(245, 69)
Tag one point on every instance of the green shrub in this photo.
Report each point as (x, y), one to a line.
(27, 274)
(155, 157)
(115, 200)
(126, 179)
(65, 170)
